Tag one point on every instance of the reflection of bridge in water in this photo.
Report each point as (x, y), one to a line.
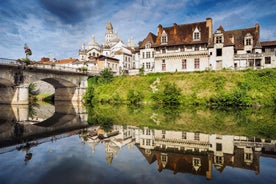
(18, 125)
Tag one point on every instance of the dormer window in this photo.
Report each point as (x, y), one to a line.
(218, 39)
(248, 39)
(164, 38)
(148, 45)
(196, 34)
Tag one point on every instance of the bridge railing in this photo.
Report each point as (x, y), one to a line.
(63, 68)
(7, 61)
(89, 71)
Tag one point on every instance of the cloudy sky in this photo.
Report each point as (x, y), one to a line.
(57, 28)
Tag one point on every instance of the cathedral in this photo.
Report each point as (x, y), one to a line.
(113, 47)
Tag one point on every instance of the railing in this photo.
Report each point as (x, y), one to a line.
(249, 56)
(182, 53)
(7, 61)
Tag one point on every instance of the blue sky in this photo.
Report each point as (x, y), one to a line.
(57, 28)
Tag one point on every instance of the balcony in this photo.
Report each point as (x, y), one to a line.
(181, 54)
(248, 56)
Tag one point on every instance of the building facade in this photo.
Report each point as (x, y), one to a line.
(194, 47)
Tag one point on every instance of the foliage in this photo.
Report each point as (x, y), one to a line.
(134, 97)
(170, 95)
(106, 75)
(142, 70)
(220, 88)
(83, 69)
(232, 121)
(89, 95)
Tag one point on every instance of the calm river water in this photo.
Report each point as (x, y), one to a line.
(118, 144)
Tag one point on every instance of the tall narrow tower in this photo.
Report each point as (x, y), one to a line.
(109, 32)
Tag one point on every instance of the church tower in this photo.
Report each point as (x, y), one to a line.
(109, 32)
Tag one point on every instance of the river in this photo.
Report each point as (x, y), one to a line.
(68, 143)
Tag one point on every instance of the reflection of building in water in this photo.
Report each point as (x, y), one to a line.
(188, 152)
(114, 143)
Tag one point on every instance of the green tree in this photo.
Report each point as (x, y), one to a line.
(106, 75)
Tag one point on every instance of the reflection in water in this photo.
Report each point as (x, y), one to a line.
(186, 152)
(183, 152)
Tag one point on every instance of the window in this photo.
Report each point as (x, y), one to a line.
(152, 54)
(143, 55)
(196, 162)
(248, 156)
(148, 45)
(147, 54)
(164, 157)
(196, 48)
(248, 41)
(218, 160)
(163, 50)
(184, 64)
(219, 52)
(148, 142)
(197, 136)
(163, 65)
(218, 147)
(196, 63)
(148, 65)
(196, 36)
(164, 39)
(184, 135)
(267, 60)
(219, 39)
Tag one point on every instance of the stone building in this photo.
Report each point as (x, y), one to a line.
(194, 47)
(177, 48)
(113, 47)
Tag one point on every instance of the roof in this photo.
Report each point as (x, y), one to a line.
(101, 57)
(179, 34)
(238, 36)
(268, 43)
(65, 61)
(150, 38)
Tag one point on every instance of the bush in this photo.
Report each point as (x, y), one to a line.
(170, 95)
(134, 96)
(106, 75)
(89, 95)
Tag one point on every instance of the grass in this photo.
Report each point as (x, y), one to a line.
(257, 87)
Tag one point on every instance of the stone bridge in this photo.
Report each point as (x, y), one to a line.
(15, 81)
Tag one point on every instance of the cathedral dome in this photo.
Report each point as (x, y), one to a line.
(93, 44)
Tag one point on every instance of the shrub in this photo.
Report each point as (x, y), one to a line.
(106, 75)
(134, 96)
(89, 95)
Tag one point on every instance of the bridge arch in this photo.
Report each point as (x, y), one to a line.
(15, 81)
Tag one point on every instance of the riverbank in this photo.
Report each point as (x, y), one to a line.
(212, 88)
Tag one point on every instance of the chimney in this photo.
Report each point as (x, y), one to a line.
(209, 24)
(174, 28)
(160, 29)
